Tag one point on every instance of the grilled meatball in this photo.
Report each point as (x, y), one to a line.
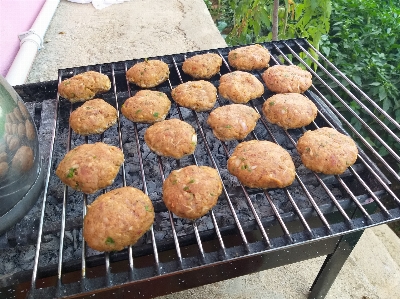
(287, 79)
(190, 192)
(253, 57)
(148, 73)
(171, 138)
(289, 110)
(233, 121)
(262, 164)
(146, 106)
(326, 150)
(93, 117)
(22, 160)
(3, 157)
(18, 115)
(117, 219)
(84, 86)
(13, 143)
(30, 130)
(197, 95)
(240, 87)
(23, 110)
(3, 169)
(202, 66)
(21, 130)
(90, 167)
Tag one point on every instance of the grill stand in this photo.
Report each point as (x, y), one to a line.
(333, 264)
(281, 238)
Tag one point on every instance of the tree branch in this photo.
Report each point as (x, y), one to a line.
(275, 20)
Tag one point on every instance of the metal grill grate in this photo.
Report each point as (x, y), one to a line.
(274, 220)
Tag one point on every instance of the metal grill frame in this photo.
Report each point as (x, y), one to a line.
(251, 248)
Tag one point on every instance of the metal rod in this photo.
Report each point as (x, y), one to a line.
(46, 187)
(143, 176)
(372, 132)
(393, 121)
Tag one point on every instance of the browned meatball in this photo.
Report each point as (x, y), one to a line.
(117, 219)
(146, 106)
(326, 150)
(30, 130)
(253, 57)
(149, 73)
(190, 192)
(18, 115)
(289, 110)
(202, 66)
(240, 87)
(197, 95)
(90, 167)
(262, 164)
(22, 160)
(287, 78)
(21, 130)
(93, 117)
(3, 169)
(23, 110)
(84, 86)
(171, 138)
(233, 121)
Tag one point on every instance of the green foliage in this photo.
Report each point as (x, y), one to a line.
(364, 44)
(252, 20)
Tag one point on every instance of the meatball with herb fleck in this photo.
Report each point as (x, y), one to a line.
(171, 138)
(197, 95)
(90, 167)
(289, 110)
(240, 87)
(117, 219)
(190, 192)
(146, 106)
(148, 73)
(287, 78)
(262, 164)
(84, 86)
(253, 57)
(326, 150)
(93, 117)
(232, 122)
(202, 66)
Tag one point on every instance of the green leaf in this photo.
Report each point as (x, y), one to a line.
(386, 104)
(357, 80)
(382, 93)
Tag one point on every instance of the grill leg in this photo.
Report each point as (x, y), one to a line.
(333, 264)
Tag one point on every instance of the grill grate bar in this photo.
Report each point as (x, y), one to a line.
(310, 198)
(216, 227)
(365, 108)
(369, 129)
(171, 220)
(144, 182)
(292, 209)
(344, 120)
(350, 193)
(365, 185)
(393, 121)
(239, 226)
(62, 230)
(327, 190)
(365, 142)
(43, 206)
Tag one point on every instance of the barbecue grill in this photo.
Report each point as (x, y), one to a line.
(249, 230)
